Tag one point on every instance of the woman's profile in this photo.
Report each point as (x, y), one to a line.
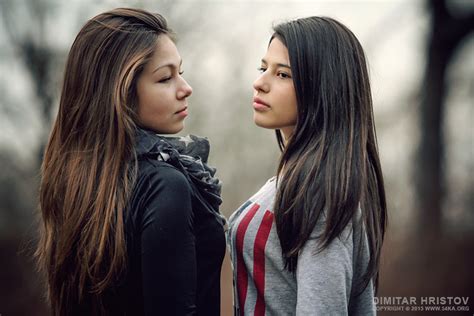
(129, 219)
(309, 241)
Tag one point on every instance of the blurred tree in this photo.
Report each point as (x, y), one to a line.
(35, 52)
(447, 32)
(25, 24)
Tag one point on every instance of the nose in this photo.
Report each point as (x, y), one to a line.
(260, 84)
(185, 90)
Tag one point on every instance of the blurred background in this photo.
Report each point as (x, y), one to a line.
(421, 59)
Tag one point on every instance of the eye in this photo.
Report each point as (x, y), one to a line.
(283, 75)
(261, 70)
(165, 80)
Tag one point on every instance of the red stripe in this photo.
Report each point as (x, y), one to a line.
(242, 276)
(259, 261)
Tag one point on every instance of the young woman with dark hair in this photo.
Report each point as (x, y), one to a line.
(129, 219)
(309, 241)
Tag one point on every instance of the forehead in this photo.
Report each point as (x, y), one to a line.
(276, 52)
(165, 51)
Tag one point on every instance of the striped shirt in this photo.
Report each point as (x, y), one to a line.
(324, 283)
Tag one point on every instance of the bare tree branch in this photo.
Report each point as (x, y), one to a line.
(447, 32)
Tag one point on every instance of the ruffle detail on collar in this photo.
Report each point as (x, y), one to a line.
(189, 154)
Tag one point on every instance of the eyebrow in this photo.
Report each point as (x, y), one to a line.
(279, 64)
(168, 65)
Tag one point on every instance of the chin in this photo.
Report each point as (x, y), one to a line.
(168, 130)
(178, 129)
(261, 123)
(172, 131)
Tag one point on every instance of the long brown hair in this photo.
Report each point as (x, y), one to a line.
(330, 166)
(89, 163)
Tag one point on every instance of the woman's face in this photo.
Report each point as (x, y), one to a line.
(162, 92)
(274, 100)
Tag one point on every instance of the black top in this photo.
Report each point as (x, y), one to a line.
(175, 247)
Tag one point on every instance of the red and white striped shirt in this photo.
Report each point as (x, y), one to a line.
(323, 282)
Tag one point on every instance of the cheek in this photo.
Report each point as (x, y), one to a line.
(293, 108)
(289, 104)
(151, 100)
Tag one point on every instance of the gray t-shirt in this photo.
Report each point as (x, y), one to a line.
(324, 283)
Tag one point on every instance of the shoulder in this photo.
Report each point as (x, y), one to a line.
(159, 183)
(162, 192)
(162, 174)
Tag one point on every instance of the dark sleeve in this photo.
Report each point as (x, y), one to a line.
(167, 245)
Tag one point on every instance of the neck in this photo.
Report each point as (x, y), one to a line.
(287, 132)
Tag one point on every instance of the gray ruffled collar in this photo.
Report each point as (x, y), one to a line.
(189, 154)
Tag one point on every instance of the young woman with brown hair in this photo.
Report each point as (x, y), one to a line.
(130, 221)
(309, 241)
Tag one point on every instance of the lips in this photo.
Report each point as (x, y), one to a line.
(260, 101)
(259, 105)
(181, 110)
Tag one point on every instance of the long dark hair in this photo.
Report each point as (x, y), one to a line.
(89, 164)
(330, 166)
